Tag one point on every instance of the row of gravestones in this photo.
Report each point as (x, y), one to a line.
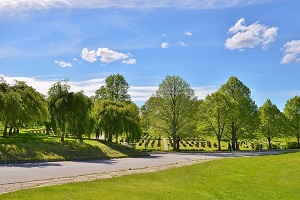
(149, 141)
(198, 143)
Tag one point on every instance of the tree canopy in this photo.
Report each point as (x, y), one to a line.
(21, 105)
(243, 112)
(214, 113)
(292, 112)
(115, 89)
(173, 109)
(271, 121)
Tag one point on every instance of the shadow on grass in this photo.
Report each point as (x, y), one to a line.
(128, 151)
(36, 147)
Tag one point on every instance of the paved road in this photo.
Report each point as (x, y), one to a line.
(13, 174)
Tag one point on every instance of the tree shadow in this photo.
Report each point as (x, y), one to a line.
(34, 165)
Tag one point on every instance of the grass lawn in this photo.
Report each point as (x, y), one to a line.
(35, 147)
(264, 177)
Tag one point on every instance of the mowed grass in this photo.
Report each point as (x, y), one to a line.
(264, 177)
(36, 147)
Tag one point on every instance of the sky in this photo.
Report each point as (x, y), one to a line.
(203, 41)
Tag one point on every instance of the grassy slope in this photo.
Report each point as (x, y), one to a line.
(265, 177)
(32, 147)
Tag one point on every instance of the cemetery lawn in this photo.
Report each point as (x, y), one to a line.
(37, 147)
(260, 177)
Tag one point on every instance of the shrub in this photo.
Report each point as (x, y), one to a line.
(292, 145)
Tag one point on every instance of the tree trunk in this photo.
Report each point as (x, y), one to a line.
(233, 136)
(177, 143)
(10, 131)
(269, 142)
(63, 129)
(219, 143)
(298, 140)
(5, 131)
(105, 136)
(237, 147)
(62, 138)
(174, 142)
(97, 131)
(110, 137)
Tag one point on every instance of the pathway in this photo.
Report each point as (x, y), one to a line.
(166, 147)
(20, 176)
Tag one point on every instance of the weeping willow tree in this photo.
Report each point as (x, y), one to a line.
(117, 119)
(70, 112)
(21, 105)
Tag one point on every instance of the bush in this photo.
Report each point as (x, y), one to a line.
(292, 145)
(258, 147)
(275, 146)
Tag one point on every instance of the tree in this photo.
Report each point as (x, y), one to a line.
(271, 121)
(59, 107)
(117, 118)
(79, 121)
(214, 112)
(174, 108)
(70, 112)
(292, 112)
(243, 113)
(21, 105)
(35, 110)
(115, 89)
(114, 112)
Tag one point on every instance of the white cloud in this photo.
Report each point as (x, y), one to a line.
(106, 56)
(17, 6)
(202, 92)
(62, 63)
(42, 84)
(89, 56)
(181, 43)
(292, 52)
(143, 93)
(250, 36)
(131, 61)
(139, 94)
(188, 34)
(165, 45)
(164, 35)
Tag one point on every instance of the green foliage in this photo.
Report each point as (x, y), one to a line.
(292, 112)
(115, 89)
(214, 111)
(21, 105)
(70, 112)
(271, 121)
(265, 177)
(243, 112)
(118, 118)
(292, 145)
(172, 110)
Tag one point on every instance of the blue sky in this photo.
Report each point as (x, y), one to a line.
(203, 41)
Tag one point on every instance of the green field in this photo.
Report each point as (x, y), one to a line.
(261, 177)
(35, 147)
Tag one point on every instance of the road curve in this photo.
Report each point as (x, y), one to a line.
(19, 176)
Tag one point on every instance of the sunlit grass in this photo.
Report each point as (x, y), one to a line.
(264, 177)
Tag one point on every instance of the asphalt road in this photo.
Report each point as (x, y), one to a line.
(21, 173)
